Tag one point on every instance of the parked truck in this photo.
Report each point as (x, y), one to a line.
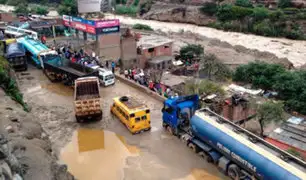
(237, 152)
(87, 99)
(16, 56)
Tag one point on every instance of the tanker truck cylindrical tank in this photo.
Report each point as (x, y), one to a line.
(241, 151)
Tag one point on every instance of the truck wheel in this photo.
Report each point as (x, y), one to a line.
(233, 171)
(209, 159)
(193, 147)
(78, 119)
(202, 154)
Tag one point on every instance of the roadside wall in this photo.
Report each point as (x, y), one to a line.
(140, 88)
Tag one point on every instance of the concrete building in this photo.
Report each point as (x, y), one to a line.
(128, 48)
(154, 51)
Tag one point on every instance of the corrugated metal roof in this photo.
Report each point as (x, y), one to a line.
(291, 133)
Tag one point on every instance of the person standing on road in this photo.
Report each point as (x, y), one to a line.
(106, 64)
(43, 39)
(113, 66)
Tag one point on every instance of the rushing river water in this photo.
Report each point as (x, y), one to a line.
(295, 51)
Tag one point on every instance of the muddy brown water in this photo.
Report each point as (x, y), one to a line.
(97, 154)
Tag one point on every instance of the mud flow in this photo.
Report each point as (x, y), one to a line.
(97, 154)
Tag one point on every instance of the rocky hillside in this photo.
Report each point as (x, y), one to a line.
(25, 149)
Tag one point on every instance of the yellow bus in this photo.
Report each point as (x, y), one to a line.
(133, 114)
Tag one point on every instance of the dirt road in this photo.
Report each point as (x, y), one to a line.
(105, 149)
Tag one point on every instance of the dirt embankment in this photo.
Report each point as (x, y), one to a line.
(25, 149)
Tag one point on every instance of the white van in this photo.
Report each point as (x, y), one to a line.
(106, 77)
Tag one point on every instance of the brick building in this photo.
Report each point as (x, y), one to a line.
(154, 51)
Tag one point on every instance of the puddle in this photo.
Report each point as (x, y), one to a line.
(200, 174)
(58, 88)
(97, 154)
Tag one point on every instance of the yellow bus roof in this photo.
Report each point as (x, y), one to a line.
(9, 41)
(132, 104)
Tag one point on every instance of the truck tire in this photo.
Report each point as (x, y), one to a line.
(193, 147)
(124, 98)
(202, 154)
(78, 119)
(233, 172)
(209, 159)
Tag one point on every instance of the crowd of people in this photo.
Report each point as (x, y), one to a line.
(143, 78)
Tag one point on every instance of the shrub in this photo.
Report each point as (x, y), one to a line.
(243, 3)
(276, 15)
(9, 85)
(209, 8)
(22, 8)
(284, 3)
(229, 12)
(122, 9)
(136, 2)
(142, 27)
(265, 28)
(41, 10)
(3, 1)
(291, 10)
(260, 74)
(16, 2)
(260, 13)
(191, 51)
(203, 87)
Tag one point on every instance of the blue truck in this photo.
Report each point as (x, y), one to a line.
(237, 152)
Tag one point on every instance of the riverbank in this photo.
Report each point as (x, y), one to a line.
(294, 51)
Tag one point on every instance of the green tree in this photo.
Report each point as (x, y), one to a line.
(260, 13)
(209, 8)
(269, 112)
(284, 3)
(213, 68)
(191, 51)
(260, 74)
(41, 10)
(228, 12)
(22, 8)
(68, 7)
(243, 3)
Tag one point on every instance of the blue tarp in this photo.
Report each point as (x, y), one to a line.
(15, 49)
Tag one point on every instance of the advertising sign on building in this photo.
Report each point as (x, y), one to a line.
(88, 6)
(107, 23)
(67, 20)
(108, 30)
(83, 27)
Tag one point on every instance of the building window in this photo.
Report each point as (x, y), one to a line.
(166, 47)
(151, 50)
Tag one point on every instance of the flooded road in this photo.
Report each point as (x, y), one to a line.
(97, 154)
(106, 148)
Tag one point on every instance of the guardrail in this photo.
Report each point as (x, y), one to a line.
(141, 88)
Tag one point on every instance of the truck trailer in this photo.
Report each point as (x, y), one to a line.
(63, 70)
(237, 152)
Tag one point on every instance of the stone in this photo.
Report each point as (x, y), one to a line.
(3, 139)
(4, 151)
(17, 177)
(14, 163)
(9, 108)
(6, 170)
(10, 129)
(13, 119)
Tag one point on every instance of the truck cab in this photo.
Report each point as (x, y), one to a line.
(177, 112)
(106, 77)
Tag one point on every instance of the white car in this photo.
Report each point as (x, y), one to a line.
(106, 77)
